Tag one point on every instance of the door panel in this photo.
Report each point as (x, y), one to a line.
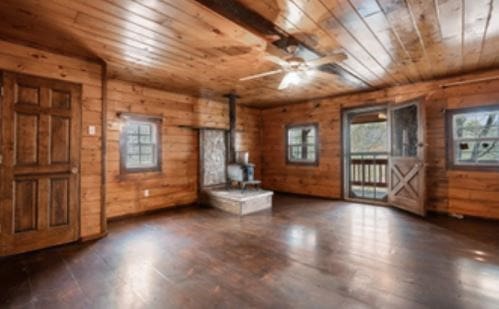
(27, 94)
(25, 205)
(59, 201)
(26, 139)
(407, 170)
(61, 99)
(59, 139)
(41, 151)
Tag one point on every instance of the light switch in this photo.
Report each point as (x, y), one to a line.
(146, 193)
(91, 130)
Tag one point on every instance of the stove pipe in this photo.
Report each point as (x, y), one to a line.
(232, 125)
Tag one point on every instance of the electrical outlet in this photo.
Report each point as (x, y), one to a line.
(146, 193)
(91, 130)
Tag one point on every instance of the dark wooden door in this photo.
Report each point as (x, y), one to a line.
(41, 158)
(407, 169)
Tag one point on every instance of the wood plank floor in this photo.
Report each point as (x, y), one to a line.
(306, 253)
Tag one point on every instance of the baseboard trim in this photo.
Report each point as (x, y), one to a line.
(152, 211)
(93, 237)
(305, 195)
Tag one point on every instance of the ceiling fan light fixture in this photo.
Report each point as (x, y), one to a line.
(292, 78)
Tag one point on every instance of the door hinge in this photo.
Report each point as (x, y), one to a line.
(1, 90)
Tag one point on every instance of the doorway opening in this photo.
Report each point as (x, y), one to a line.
(366, 154)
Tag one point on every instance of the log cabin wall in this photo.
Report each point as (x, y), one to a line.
(248, 125)
(182, 115)
(177, 183)
(450, 191)
(25, 60)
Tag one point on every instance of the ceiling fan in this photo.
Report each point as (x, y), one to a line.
(297, 69)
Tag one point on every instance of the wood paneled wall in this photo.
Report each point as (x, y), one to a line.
(31, 61)
(248, 135)
(469, 193)
(177, 183)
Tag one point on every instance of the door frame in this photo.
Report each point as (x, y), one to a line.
(344, 139)
(78, 144)
(345, 145)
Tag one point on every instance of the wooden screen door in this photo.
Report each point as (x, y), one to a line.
(41, 158)
(406, 168)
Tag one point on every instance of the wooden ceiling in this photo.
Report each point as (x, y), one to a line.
(181, 45)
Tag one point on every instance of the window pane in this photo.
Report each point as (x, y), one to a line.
(146, 159)
(369, 137)
(476, 125)
(476, 138)
(310, 137)
(133, 139)
(132, 160)
(489, 152)
(145, 139)
(481, 152)
(405, 131)
(302, 143)
(295, 136)
(141, 149)
(295, 152)
(145, 129)
(132, 128)
(311, 153)
(146, 149)
(133, 149)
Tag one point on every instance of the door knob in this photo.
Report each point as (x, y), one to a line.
(74, 170)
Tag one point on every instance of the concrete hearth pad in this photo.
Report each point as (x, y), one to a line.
(238, 202)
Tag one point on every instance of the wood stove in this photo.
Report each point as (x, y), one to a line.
(242, 173)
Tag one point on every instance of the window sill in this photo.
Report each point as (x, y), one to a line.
(311, 164)
(472, 168)
(135, 175)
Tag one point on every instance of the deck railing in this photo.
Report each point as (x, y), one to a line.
(368, 174)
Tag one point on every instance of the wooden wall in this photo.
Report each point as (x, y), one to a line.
(469, 193)
(30, 61)
(177, 183)
(248, 135)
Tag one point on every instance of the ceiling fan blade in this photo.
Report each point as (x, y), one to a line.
(328, 59)
(261, 75)
(284, 83)
(276, 60)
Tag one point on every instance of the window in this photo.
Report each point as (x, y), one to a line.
(474, 137)
(302, 144)
(140, 144)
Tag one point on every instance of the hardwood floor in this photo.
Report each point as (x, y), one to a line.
(308, 253)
